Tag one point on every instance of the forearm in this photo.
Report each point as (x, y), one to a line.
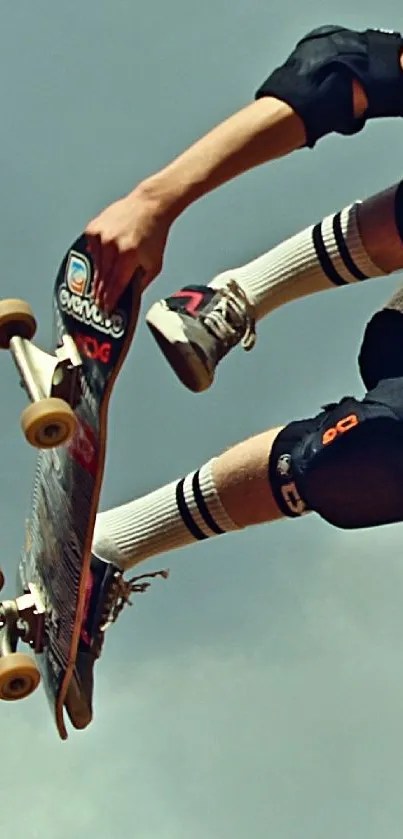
(298, 104)
(262, 131)
(269, 128)
(265, 130)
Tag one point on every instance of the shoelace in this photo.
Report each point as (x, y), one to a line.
(118, 597)
(231, 317)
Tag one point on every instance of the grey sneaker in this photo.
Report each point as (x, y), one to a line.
(197, 326)
(107, 594)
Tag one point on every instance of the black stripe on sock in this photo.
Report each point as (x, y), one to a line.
(202, 506)
(324, 258)
(344, 251)
(185, 513)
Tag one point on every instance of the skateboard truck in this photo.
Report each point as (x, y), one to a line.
(22, 619)
(43, 374)
(50, 381)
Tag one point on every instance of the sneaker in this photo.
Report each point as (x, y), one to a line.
(107, 594)
(197, 326)
(101, 592)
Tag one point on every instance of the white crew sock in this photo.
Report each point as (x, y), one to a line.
(328, 254)
(176, 515)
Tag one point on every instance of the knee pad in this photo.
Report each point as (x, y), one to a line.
(350, 469)
(381, 352)
(316, 79)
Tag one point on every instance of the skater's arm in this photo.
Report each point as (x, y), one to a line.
(334, 81)
(263, 131)
(133, 231)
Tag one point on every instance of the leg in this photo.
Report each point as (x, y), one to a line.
(250, 483)
(345, 464)
(197, 326)
(240, 475)
(229, 492)
(360, 242)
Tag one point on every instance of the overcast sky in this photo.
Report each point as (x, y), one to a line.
(259, 692)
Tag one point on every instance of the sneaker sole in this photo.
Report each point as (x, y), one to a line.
(77, 707)
(168, 330)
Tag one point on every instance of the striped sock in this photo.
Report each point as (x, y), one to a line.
(184, 511)
(325, 255)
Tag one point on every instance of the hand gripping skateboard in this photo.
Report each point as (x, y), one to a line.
(66, 420)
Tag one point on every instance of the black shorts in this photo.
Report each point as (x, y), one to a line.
(346, 463)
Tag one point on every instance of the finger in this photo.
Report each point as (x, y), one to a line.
(95, 250)
(99, 294)
(113, 291)
(118, 279)
(109, 256)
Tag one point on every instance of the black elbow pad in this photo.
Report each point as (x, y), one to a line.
(316, 79)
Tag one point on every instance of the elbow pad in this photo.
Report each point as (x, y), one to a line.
(316, 80)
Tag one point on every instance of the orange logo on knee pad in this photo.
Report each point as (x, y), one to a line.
(343, 425)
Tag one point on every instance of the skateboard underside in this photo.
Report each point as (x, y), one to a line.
(56, 557)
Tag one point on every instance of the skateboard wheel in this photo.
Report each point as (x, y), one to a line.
(19, 676)
(16, 318)
(2, 579)
(48, 423)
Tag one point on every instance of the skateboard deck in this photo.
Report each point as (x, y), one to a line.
(55, 561)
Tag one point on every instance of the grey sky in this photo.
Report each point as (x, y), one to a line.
(258, 692)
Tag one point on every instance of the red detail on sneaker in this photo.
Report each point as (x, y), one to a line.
(194, 299)
(88, 592)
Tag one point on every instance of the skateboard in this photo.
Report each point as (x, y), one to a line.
(66, 420)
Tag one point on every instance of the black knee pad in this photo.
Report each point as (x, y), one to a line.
(381, 352)
(316, 79)
(280, 470)
(350, 469)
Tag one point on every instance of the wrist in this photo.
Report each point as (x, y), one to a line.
(164, 193)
